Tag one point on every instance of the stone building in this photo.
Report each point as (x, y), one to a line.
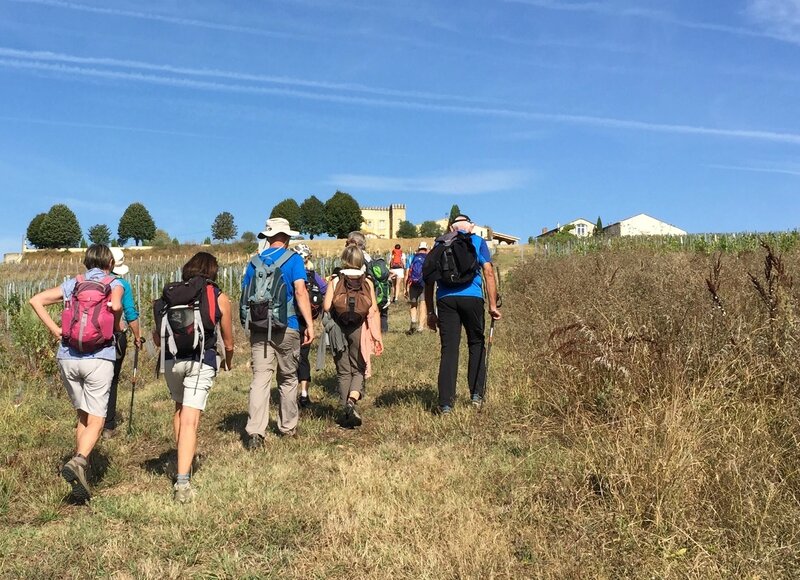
(382, 221)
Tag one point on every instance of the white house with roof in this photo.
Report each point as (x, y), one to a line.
(642, 225)
(581, 228)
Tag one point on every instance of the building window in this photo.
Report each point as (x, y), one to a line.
(580, 230)
(383, 224)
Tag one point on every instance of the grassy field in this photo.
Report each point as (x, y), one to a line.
(642, 421)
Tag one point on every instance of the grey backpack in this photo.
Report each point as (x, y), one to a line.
(264, 304)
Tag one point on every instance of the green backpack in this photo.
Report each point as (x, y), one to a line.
(378, 272)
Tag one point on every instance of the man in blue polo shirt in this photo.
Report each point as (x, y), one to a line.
(283, 350)
(459, 306)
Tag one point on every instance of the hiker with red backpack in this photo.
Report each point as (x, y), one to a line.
(86, 352)
(453, 268)
(274, 299)
(397, 263)
(353, 306)
(415, 289)
(187, 318)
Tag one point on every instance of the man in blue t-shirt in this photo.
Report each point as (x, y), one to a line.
(463, 306)
(283, 350)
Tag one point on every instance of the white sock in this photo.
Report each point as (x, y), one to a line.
(304, 393)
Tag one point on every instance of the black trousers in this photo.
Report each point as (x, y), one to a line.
(122, 347)
(454, 313)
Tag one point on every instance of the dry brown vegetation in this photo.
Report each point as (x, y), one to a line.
(642, 421)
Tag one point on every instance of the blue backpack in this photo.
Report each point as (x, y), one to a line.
(415, 271)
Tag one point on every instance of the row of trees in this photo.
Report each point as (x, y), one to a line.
(59, 228)
(337, 217)
(427, 229)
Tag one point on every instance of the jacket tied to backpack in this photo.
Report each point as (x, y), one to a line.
(187, 315)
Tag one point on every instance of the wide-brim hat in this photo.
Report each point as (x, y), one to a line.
(120, 268)
(277, 226)
(422, 246)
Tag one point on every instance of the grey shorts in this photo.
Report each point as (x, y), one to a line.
(415, 293)
(88, 382)
(189, 382)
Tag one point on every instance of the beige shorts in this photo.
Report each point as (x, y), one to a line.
(189, 382)
(88, 382)
(399, 272)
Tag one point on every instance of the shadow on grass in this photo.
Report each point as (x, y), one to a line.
(166, 464)
(234, 423)
(428, 397)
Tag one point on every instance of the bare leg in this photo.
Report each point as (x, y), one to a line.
(88, 432)
(189, 419)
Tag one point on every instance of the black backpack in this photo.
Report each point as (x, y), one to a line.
(453, 261)
(315, 295)
(187, 314)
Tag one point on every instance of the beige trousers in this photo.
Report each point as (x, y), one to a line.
(283, 354)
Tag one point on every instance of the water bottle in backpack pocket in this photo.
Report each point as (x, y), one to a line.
(87, 323)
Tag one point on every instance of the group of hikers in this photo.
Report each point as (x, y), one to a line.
(282, 295)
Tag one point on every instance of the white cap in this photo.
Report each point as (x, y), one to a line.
(120, 268)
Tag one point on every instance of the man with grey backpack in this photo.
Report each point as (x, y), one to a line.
(274, 295)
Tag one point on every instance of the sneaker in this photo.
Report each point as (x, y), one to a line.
(255, 441)
(108, 433)
(411, 330)
(445, 410)
(305, 401)
(352, 418)
(75, 474)
(183, 492)
(477, 400)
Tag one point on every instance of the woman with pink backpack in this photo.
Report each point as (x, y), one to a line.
(86, 352)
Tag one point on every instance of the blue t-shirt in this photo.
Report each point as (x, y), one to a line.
(293, 270)
(472, 289)
(64, 351)
(129, 312)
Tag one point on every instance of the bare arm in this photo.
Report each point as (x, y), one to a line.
(136, 329)
(39, 304)
(303, 302)
(326, 305)
(374, 306)
(491, 290)
(116, 306)
(226, 327)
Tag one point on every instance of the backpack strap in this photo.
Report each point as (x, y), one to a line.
(211, 296)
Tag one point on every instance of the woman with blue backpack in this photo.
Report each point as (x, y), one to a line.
(415, 289)
(86, 352)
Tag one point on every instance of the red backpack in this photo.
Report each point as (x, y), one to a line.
(397, 258)
(87, 323)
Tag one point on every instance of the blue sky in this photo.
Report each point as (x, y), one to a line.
(524, 112)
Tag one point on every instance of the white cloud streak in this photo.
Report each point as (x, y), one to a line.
(68, 71)
(606, 8)
(779, 171)
(44, 56)
(158, 18)
(780, 17)
(473, 183)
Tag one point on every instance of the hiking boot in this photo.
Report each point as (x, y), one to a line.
(305, 401)
(108, 434)
(352, 418)
(183, 492)
(255, 441)
(445, 410)
(411, 330)
(75, 474)
(477, 400)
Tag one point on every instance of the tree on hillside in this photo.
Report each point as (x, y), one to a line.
(598, 227)
(224, 228)
(136, 223)
(249, 237)
(60, 229)
(161, 239)
(34, 231)
(289, 210)
(429, 229)
(312, 217)
(100, 234)
(342, 215)
(564, 234)
(454, 211)
(405, 229)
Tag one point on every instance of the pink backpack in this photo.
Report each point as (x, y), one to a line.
(87, 323)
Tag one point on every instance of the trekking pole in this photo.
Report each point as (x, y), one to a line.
(499, 302)
(133, 384)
